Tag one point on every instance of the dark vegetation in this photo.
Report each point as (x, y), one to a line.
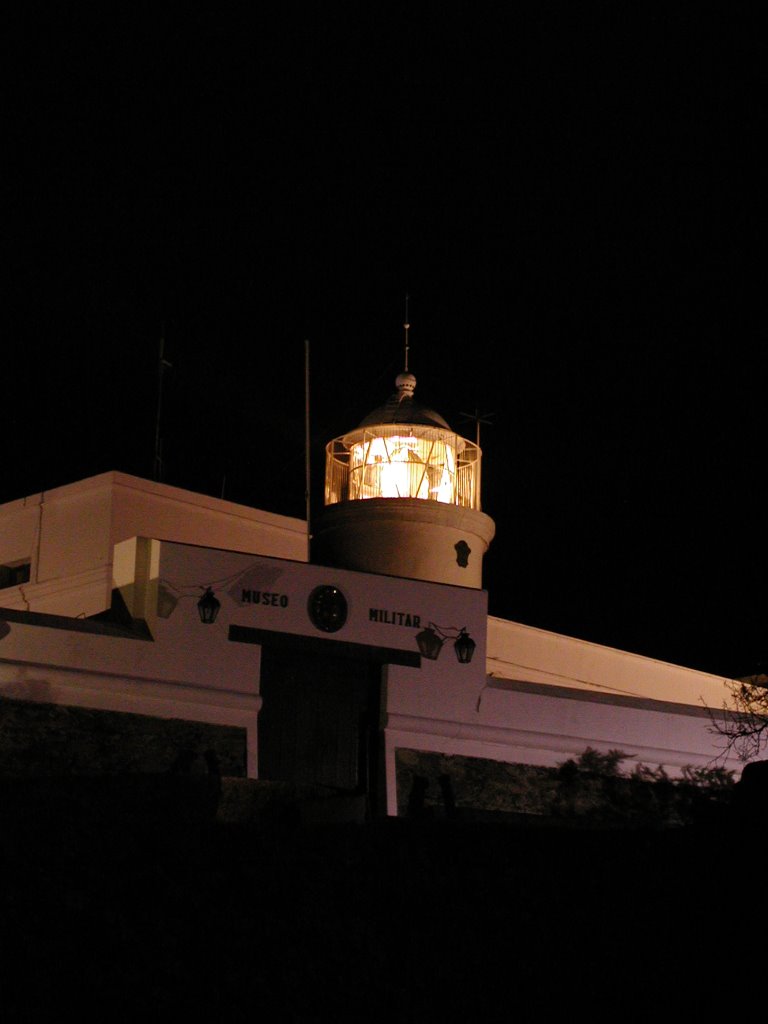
(597, 789)
(154, 895)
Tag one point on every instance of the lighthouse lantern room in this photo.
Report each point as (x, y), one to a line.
(402, 496)
(387, 457)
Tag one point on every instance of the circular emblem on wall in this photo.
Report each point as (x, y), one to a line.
(327, 608)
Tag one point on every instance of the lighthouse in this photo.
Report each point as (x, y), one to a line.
(402, 496)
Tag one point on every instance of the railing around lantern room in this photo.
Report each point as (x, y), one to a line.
(403, 461)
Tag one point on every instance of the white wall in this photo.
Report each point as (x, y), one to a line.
(191, 670)
(528, 696)
(69, 534)
(519, 652)
(548, 697)
(144, 508)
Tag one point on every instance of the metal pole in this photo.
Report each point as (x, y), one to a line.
(158, 464)
(306, 446)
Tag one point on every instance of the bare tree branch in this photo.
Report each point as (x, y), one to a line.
(743, 720)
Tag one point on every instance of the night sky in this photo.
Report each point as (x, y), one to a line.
(573, 195)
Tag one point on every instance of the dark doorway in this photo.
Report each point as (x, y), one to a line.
(319, 723)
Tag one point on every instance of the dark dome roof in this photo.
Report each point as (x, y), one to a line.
(401, 407)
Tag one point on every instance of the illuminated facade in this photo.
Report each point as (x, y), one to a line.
(331, 666)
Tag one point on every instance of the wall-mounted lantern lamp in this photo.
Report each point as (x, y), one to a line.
(431, 639)
(464, 647)
(430, 644)
(208, 607)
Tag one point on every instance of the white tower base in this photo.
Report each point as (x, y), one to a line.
(419, 540)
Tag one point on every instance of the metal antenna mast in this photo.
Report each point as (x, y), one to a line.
(162, 366)
(406, 327)
(307, 475)
(477, 418)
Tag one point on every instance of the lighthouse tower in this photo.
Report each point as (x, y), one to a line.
(402, 496)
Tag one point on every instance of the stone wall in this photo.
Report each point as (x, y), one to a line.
(38, 740)
(433, 785)
(440, 784)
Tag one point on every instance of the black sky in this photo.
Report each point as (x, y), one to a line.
(573, 196)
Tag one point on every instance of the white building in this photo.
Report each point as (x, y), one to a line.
(325, 665)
